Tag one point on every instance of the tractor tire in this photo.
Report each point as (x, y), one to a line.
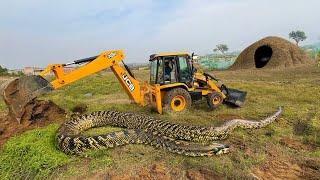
(177, 100)
(214, 100)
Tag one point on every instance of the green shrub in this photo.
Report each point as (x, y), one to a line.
(3, 71)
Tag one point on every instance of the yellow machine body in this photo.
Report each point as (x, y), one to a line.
(142, 94)
(108, 59)
(173, 95)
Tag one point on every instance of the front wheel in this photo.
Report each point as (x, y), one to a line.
(214, 100)
(177, 100)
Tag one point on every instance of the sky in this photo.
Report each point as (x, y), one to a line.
(40, 32)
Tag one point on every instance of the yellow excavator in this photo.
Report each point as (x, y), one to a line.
(175, 83)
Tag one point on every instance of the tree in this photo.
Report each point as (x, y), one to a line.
(3, 71)
(318, 58)
(297, 36)
(222, 48)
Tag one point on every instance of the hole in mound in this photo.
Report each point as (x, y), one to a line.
(262, 56)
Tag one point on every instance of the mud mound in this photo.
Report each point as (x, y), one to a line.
(38, 113)
(19, 92)
(271, 52)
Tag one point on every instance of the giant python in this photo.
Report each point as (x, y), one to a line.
(188, 140)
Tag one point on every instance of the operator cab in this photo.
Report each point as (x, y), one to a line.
(169, 68)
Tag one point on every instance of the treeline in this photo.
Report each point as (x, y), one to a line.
(5, 72)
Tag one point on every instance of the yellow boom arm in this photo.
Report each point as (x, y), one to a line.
(107, 59)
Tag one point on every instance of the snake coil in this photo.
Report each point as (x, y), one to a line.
(188, 140)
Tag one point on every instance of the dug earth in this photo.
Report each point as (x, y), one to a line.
(38, 113)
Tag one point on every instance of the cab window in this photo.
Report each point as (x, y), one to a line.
(153, 72)
(160, 71)
(184, 70)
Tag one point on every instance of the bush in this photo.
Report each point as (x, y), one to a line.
(3, 71)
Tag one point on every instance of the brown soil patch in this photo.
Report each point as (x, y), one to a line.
(38, 113)
(271, 52)
(276, 169)
(281, 166)
(295, 144)
(202, 174)
(157, 171)
(311, 168)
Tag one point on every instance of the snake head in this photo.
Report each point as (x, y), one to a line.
(221, 149)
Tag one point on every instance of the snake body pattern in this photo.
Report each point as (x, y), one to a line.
(188, 140)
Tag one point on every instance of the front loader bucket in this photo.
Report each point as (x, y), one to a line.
(19, 92)
(234, 97)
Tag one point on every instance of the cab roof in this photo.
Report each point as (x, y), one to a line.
(153, 56)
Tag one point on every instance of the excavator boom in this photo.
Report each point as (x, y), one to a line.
(172, 90)
(19, 92)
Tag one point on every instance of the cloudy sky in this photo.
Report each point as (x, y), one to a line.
(38, 32)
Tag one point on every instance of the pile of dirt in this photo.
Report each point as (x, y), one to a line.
(38, 113)
(271, 52)
(19, 92)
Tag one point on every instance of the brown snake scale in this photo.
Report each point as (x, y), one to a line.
(188, 140)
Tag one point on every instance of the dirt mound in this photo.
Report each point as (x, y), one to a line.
(19, 92)
(271, 52)
(38, 113)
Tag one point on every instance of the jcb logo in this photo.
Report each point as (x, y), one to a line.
(111, 55)
(128, 82)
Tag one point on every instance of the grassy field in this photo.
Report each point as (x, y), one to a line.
(287, 148)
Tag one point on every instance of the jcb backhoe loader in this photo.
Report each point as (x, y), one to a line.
(174, 83)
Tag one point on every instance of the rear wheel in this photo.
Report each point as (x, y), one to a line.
(177, 100)
(214, 100)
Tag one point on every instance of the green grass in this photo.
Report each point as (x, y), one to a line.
(297, 90)
(32, 155)
(2, 106)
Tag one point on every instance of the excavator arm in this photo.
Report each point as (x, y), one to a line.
(21, 91)
(107, 59)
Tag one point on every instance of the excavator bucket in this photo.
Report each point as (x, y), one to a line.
(19, 92)
(234, 97)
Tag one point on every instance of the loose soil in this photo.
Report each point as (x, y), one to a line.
(296, 145)
(38, 113)
(282, 166)
(158, 171)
